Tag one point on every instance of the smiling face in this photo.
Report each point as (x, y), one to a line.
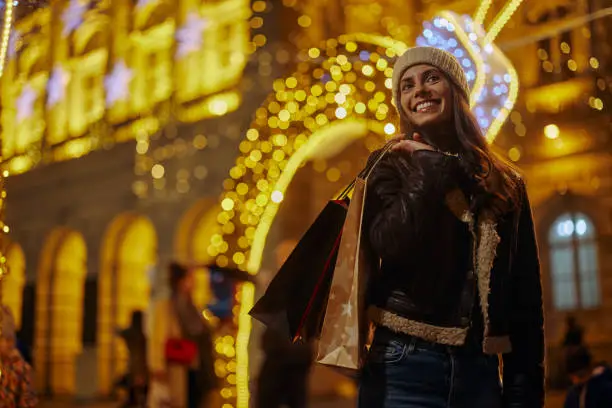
(425, 96)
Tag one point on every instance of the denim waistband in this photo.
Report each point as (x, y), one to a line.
(384, 335)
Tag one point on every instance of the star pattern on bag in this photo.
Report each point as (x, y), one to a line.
(347, 310)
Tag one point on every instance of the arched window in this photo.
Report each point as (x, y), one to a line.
(574, 263)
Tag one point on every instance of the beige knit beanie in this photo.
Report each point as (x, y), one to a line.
(435, 57)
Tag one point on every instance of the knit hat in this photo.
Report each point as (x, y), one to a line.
(435, 57)
(8, 323)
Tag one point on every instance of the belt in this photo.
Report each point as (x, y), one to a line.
(449, 336)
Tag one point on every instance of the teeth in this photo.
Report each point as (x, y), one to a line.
(421, 106)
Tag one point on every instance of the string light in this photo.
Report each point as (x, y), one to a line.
(481, 13)
(551, 131)
(501, 20)
(6, 33)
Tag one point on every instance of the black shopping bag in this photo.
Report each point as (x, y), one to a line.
(295, 299)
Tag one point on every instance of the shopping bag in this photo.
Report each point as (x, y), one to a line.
(295, 299)
(345, 327)
(294, 302)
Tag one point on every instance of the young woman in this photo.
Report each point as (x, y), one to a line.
(459, 282)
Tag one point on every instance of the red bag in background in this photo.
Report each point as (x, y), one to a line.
(181, 351)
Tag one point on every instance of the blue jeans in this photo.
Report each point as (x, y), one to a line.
(405, 372)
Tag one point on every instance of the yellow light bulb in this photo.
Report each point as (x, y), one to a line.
(158, 171)
(551, 131)
(227, 204)
(277, 196)
(514, 153)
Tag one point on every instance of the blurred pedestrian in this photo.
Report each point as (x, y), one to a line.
(16, 389)
(283, 379)
(572, 341)
(592, 383)
(180, 351)
(137, 376)
(574, 333)
(284, 374)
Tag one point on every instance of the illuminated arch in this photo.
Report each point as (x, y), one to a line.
(13, 283)
(59, 310)
(129, 250)
(195, 229)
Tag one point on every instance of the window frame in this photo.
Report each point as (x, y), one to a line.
(580, 276)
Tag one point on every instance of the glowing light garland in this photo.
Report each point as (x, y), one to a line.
(501, 20)
(481, 13)
(6, 34)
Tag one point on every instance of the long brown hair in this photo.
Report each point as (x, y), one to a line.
(495, 181)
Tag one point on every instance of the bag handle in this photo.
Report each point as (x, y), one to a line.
(365, 173)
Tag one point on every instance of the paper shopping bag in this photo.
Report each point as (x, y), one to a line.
(345, 327)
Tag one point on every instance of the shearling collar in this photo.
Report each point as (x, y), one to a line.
(486, 239)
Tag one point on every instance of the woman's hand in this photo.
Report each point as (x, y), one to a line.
(411, 146)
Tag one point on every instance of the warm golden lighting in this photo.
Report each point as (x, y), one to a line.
(502, 18)
(7, 23)
(481, 13)
(277, 197)
(158, 171)
(389, 129)
(554, 97)
(514, 154)
(227, 204)
(64, 109)
(128, 251)
(551, 131)
(66, 251)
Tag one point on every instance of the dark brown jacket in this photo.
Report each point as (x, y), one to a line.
(438, 257)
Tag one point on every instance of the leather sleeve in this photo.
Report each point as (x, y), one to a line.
(400, 191)
(523, 374)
